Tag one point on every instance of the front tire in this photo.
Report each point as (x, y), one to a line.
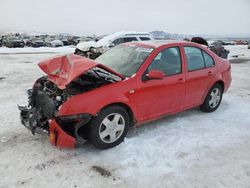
(109, 128)
(213, 99)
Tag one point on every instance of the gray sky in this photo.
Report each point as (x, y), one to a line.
(223, 17)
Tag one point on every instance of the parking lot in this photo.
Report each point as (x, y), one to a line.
(189, 149)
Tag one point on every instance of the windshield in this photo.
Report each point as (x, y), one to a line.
(125, 59)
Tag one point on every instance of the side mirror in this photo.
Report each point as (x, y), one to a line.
(155, 74)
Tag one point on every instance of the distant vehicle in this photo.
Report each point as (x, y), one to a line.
(65, 42)
(218, 48)
(0, 41)
(12, 42)
(123, 37)
(73, 40)
(83, 40)
(241, 42)
(228, 42)
(113, 40)
(47, 41)
(199, 40)
(54, 43)
(90, 49)
(35, 43)
(25, 38)
(80, 99)
(248, 47)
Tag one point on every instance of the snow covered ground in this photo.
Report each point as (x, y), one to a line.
(238, 51)
(189, 149)
(41, 50)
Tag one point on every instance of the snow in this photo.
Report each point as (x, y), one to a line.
(189, 149)
(238, 51)
(30, 50)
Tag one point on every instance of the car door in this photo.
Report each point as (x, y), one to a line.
(200, 73)
(156, 97)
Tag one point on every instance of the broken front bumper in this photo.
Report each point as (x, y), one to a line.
(57, 135)
(60, 138)
(28, 118)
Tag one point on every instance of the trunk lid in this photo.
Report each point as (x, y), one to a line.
(64, 69)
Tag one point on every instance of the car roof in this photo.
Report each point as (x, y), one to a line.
(105, 41)
(157, 43)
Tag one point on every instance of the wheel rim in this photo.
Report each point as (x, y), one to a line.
(111, 128)
(214, 98)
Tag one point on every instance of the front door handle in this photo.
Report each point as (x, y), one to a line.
(180, 80)
(210, 73)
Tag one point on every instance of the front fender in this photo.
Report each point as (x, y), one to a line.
(93, 101)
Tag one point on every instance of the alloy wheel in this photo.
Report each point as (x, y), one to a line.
(111, 128)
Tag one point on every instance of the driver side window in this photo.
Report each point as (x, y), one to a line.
(167, 61)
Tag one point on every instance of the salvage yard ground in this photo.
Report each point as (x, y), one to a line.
(189, 149)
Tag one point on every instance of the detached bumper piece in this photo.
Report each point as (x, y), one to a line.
(29, 119)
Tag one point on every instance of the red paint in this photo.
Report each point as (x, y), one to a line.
(61, 139)
(150, 99)
(63, 69)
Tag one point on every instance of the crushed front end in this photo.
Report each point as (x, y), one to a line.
(41, 115)
(66, 76)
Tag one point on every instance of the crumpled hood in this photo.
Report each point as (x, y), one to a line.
(64, 69)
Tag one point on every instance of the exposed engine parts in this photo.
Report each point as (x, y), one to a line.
(46, 98)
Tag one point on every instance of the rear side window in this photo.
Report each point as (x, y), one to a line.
(123, 40)
(209, 62)
(194, 57)
(118, 41)
(144, 38)
(129, 39)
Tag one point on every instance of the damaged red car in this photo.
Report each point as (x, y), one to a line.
(80, 99)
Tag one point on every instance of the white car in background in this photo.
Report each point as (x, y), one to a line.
(122, 37)
(56, 43)
(50, 42)
(112, 40)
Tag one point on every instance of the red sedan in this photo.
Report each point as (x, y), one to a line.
(80, 99)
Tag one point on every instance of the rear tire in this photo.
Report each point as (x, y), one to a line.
(213, 99)
(109, 128)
